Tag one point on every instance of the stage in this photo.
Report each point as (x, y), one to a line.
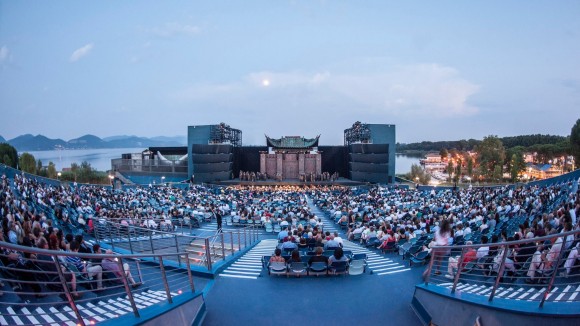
(290, 182)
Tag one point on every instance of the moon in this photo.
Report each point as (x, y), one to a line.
(265, 82)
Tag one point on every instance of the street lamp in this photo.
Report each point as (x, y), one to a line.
(58, 176)
(162, 179)
(111, 177)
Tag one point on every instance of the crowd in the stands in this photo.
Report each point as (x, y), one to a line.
(31, 211)
(387, 216)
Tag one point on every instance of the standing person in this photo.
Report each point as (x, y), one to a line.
(218, 217)
(441, 239)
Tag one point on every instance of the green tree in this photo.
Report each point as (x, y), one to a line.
(443, 152)
(8, 155)
(497, 173)
(74, 170)
(575, 142)
(469, 166)
(38, 167)
(491, 156)
(51, 170)
(27, 163)
(418, 175)
(457, 171)
(450, 169)
(517, 165)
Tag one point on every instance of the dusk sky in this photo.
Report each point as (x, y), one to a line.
(438, 70)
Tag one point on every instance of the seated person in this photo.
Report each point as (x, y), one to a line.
(83, 246)
(47, 264)
(111, 265)
(84, 268)
(318, 257)
(338, 256)
(482, 251)
(571, 260)
(277, 256)
(302, 244)
(543, 260)
(331, 244)
(387, 240)
(288, 244)
(295, 258)
(454, 261)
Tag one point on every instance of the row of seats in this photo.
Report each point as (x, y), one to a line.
(355, 265)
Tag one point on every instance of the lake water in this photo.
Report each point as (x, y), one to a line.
(100, 159)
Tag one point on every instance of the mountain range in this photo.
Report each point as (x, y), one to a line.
(30, 142)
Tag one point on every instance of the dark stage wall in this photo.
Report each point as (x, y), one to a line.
(335, 159)
(247, 158)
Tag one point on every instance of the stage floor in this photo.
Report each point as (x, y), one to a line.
(290, 182)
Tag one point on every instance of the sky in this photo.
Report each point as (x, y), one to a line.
(438, 70)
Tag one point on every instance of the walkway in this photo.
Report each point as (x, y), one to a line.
(249, 266)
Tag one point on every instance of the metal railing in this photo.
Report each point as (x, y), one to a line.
(203, 251)
(529, 270)
(45, 279)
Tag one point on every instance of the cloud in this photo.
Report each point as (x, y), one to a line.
(4, 53)
(81, 52)
(175, 29)
(395, 90)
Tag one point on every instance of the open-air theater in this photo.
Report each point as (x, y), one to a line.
(76, 254)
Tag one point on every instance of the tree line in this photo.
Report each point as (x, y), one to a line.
(469, 145)
(496, 156)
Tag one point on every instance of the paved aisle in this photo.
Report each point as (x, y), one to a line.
(249, 266)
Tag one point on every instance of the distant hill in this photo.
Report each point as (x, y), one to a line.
(29, 142)
(2, 140)
(87, 141)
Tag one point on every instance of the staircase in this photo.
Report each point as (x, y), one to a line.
(92, 311)
(197, 251)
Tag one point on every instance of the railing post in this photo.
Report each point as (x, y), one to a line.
(164, 277)
(245, 238)
(427, 273)
(459, 268)
(232, 240)
(499, 273)
(129, 237)
(223, 246)
(126, 284)
(151, 243)
(111, 236)
(207, 255)
(551, 283)
(177, 249)
(96, 231)
(189, 272)
(239, 240)
(67, 293)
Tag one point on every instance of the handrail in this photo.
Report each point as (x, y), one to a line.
(492, 264)
(517, 242)
(249, 232)
(65, 282)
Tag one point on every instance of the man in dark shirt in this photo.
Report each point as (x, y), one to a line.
(318, 257)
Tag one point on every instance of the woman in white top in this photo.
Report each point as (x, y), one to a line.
(441, 239)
